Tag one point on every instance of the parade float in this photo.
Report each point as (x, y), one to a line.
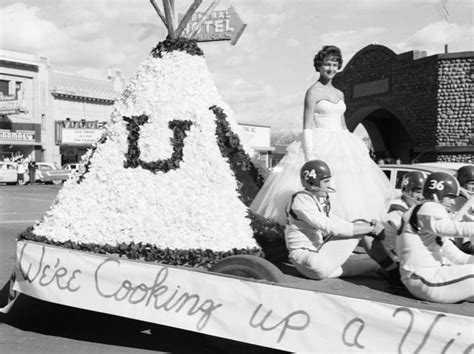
(157, 229)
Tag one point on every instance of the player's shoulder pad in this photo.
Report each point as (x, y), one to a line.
(433, 209)
(398, 205)
(303, 192)
(302, 195)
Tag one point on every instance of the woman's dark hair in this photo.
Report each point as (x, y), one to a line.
(327, 51)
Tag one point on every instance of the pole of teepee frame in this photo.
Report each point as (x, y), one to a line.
(169, 19)
(187, 17)
(158, 11)
(169, 15)
(173, 11)
(204, 17)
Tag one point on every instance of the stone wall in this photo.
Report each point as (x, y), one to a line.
(455, 157)
(411, 94)
(455, 102)
(431, 97)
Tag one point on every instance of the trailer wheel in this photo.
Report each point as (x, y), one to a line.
(248, 267)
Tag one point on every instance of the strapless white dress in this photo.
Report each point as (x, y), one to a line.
(362, 189)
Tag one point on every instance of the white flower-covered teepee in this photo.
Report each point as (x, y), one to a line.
(157, 176)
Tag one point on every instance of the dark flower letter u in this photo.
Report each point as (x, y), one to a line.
(132, 157)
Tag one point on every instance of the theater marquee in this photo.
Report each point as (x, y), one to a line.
(80, 132)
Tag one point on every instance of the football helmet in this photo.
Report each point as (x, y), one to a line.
(313, 171)
(413, 180)
(465, 174)
(439, 185)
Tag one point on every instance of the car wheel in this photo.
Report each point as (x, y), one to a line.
(57, 181)
(248, 267)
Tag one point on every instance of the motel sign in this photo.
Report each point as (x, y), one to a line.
(222, 25)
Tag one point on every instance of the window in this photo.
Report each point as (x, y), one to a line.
(4, 87)
(388, 173)
(18, 85)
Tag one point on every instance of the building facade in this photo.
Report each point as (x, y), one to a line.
(46, 115)
(80, 107)
(52, 116)
(23, 96)
(259, 136)
(414, 107)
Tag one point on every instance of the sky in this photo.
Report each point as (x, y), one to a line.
(265, 75)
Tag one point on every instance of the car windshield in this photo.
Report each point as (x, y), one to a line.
(71, 166)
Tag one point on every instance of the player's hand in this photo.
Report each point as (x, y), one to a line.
(378, 228)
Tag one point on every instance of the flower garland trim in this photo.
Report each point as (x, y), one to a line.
(269, 235)
(230, 147)
(182, 44)
(197, 258)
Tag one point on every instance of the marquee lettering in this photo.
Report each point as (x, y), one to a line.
(83, 124)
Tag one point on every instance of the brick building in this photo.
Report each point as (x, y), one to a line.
(412, 105)
(47, 115)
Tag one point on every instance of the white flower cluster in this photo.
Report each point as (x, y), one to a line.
(193, 206)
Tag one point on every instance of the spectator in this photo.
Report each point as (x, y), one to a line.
(20, 170)
(32, 171)
(388, 158)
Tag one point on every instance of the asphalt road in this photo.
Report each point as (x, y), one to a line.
(34, 326)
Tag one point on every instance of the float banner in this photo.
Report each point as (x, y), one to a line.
(244, 310)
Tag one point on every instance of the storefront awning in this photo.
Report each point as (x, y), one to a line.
(36, 143)
(263, 148)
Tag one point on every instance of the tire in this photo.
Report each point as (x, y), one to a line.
(248, 267)
(57, 181)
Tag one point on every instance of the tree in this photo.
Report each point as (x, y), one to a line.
(283, 137)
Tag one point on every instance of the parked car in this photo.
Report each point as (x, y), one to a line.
(48, 173)
(9, 174)
(396, 172)
(74, 167)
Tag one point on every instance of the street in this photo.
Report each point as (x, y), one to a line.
(35, 326)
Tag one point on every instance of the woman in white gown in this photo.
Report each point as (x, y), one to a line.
(362, 189)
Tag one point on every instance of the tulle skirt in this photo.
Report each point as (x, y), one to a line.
(362, 189)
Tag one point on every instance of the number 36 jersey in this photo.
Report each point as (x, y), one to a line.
(425, 241)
